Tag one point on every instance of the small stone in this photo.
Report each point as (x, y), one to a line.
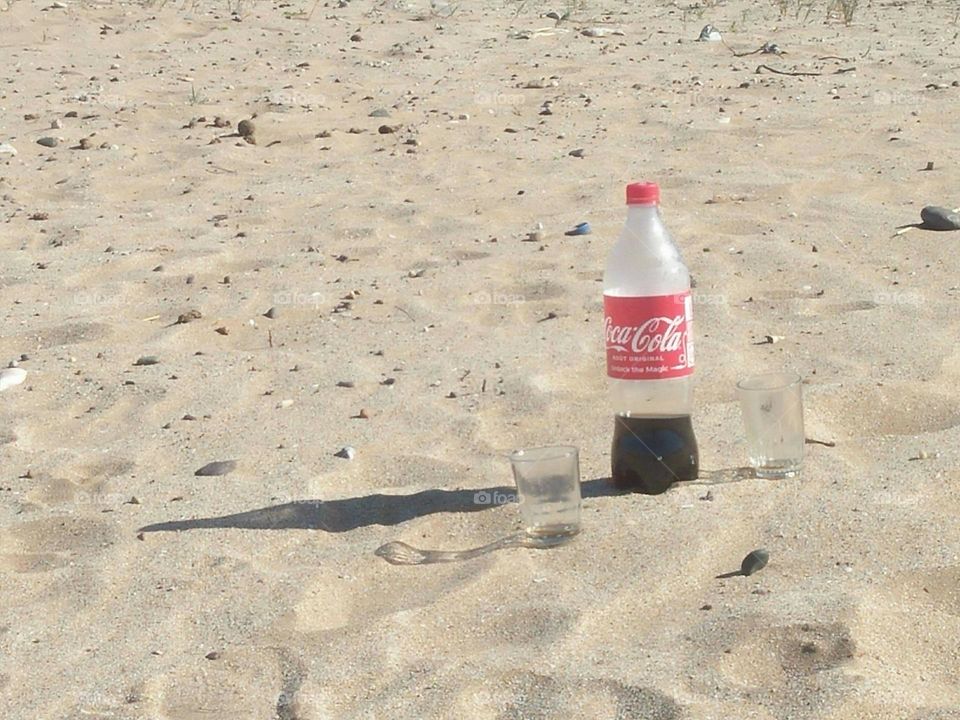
(363, 414)
(245, 128)
(578, 153)
(271, 313)
(190, 279)
(754, 562)
(212, 655)
(389, 381)
(709, 34)
(147, 360)
(347, 453)
(48, 142)
(11, 376)
(345, 383)
(133, 501)
(56, 124)
(216, 468)
(387, 129)
(380, 113)
(356, 37)
(188, 316)
(938, 218)
(222, 330)
(85, 143)
(220, 122)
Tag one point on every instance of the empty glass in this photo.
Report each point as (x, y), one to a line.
(548, 485)
(773, 417)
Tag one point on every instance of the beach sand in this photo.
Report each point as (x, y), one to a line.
(399, 261)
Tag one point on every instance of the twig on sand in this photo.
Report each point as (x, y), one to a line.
(743, 54)
(811, 74)
(784, 72)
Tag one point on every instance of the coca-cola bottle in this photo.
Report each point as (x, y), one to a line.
(648, 331)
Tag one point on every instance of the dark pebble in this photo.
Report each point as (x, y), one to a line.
(147, 360)
(938, 218)
(271, 313)
(48, 142)
(214, 469)
(754, 562)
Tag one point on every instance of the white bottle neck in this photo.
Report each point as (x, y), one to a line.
(643, 213)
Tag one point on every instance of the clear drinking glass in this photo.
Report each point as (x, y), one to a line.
(773, 417)
(548, 484)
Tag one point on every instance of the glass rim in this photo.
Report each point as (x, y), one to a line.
(767, 382)
(545, 452)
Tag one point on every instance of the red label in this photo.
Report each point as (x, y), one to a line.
(648, 338)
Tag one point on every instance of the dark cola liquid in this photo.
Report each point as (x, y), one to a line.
(650, 454)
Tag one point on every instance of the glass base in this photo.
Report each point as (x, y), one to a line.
(552, 535)
(776, 471)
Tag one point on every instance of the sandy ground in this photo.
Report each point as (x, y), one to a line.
(397, 261)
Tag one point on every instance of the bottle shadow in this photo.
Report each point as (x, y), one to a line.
(351, 513)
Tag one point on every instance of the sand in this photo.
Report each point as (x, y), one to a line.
(398, 261)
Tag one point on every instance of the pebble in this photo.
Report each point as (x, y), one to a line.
(938, 218)
(245, 128)
(578, 153)
(188, 316)
(754, 562)
(387, 129)
(48, 141)
(271, 313)
(217, 468)
(598, 32)
(56, 124)
(212, 655)
(709, 34)
(345, 383)
(380, 113)
(147, 360)
(347, 453)
(11, 376)
(7, 149)
(223, 330)
(85, 143)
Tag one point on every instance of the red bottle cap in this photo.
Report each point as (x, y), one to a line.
(643, 193)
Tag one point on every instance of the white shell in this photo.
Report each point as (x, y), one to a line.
(12, 376)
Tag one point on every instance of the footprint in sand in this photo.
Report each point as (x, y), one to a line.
(772, 666)
(50, 543)
(66, 334)
(80, 483)
(532, 696)
(895, 408)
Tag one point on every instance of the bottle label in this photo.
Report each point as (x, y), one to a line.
(648, 338)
